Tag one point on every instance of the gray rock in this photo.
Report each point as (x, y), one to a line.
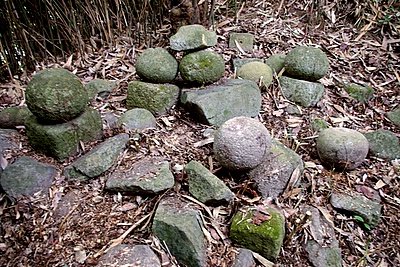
(110, 120)
(202, 67)
(137, 119)
(217, 104)
(192, 37)
(179, 226)
(245, 41)
(318, 125)
(56, 96)
(301, 92)
(156, 98)
(145, 176)
(129, 255)
(394, 116)
(27, 176)
(100, 87)
(98, 160)
(156, 65)
(276, 62)
(358, 205)
(239, 62)
(383, 144)
(244, 259)
(257, 72)
(241, 143)
(205, 186)
(342, 148)
(306, 63)
(358, 92)
(273, 174)
(8, 139)
(14, 116)
(62, 140)
(293, 110)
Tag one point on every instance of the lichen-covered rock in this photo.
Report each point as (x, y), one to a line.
(306, 63)
(260, 229)
(62, 140)
(14, 116)
(383, 144)
(100, 87)
(358, 92)
(239, 62)
(257, 72)
(244, 40)
(156, 65)
(302, 92)
(276, 62)
(394, 116)
(342, 148)
(192, 37)
(56, 96)
(202, 67)
(156, 98)
(241, 143)
(137, 119)
(217, 104)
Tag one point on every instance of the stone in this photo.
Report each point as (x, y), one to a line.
(8, 139)
(244, 259)
(260, 229)
(306, 63)
(56, 96)
(244, 40)
(394, 116)
(98, 160)
(100, 87)
(216, 104)
(342, 148)
(62, 140)
(383, 144)
(137, 119)
(129, 255)
(110, 120)
(179, 225)
(241, 143)
(273, 174)
(276, 62)
(205, 186)
(202, 67)
(239, 62)
(148, 175)
(156, 98)
(257, 72)
(14, 116)
(156, 65)
(27, 176)
(304, 93)
(192, 37)
(293, 109)
(358, 205)
(318, 125)
(361, 93)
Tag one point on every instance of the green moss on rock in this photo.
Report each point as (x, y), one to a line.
(156, 65)
(14, 116)
(383, 144)
(276, 62)
(257, 72)
(358, 92)
(394, 116)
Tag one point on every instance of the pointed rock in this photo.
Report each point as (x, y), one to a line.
(192, 37)
(244, 259)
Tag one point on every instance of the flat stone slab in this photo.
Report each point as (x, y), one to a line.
(304, 93)
(244, 40)
(192, 37)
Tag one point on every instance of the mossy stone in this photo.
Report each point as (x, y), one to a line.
(257, 72)
(394, 116)
(358, 92)
(99, 87)
(56, 96)
(156, 65)
(318, 125)
(239, 62)
(137, 119)
(383, 144)
(14, 116)
(192, 37)
(276, 62)
(301, 92)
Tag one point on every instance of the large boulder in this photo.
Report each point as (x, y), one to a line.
(383, 144)
(14, 116)
(137, 119)
(301, 92)
(217, 104)
(257, 72)
(202, 67)
(156, 65)
(192, 37)
(241, 143)
(306, 63)
(56, 96)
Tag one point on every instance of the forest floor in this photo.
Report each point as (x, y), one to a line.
(36, 231)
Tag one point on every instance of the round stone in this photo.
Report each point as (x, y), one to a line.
(342, 148)
(257, 72)
(56, 96)
(241, 143)
(137, 119)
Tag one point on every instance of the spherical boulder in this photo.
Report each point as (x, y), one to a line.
(241, 143)
(156, 65)
(56, 96)
(202, 67)
(257, 72)
(342, 148)
(306, 63)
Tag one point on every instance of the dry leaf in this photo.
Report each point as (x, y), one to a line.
(379, 184)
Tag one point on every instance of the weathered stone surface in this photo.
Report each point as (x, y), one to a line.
(110, 120)
(98, 160)
(61, 140)
(217, 104)
(293, 109)
(14, 116)
(241, 143)
(100, 87)
(178, 225)
(359, 205)
(8, 139)
(149, 175)
(205, 186)
(244, 40)
(244, 259)
(56, 96)
(358, 92)
(156, 65)
(239, 62)
(394, 116)
(137, 119)
(156, 98)
(273, 174)
(257, 72)
(318, 125)
(202, 67)
(342, 148)
(27, 176)
(306, 63)
(301, 92)
(192, 37)
(260, 229)
(383, 144)
(130, 255)
(276, 62)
